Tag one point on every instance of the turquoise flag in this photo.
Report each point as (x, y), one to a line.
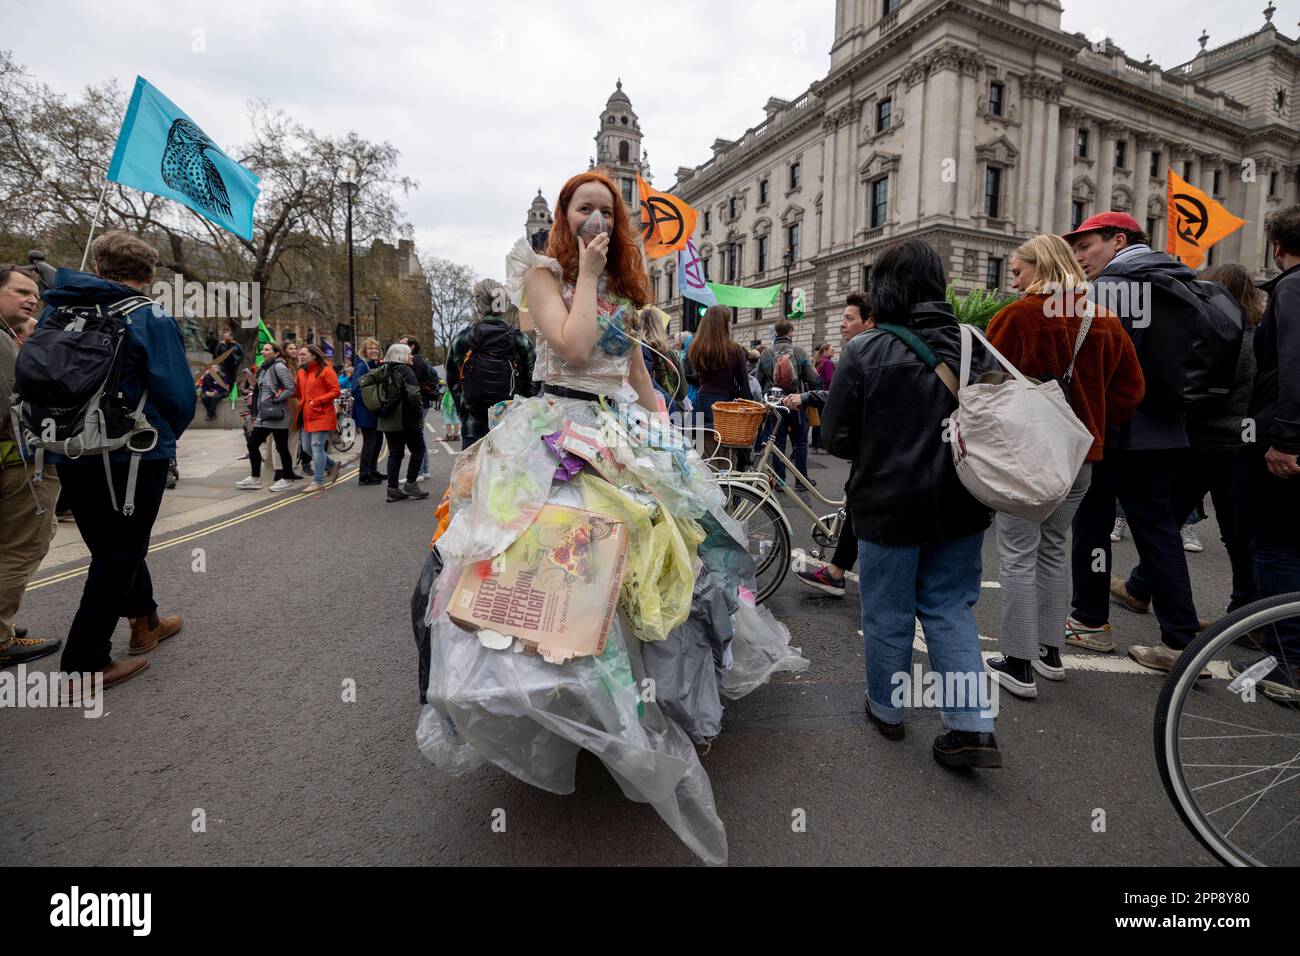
(161, 150)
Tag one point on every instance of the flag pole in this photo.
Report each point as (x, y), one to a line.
(94, 222)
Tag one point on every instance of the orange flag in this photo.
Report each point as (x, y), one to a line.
(667, 222)
(1196, 221)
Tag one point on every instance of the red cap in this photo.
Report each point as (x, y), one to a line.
(1104, 220)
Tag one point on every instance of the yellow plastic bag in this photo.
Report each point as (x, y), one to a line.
(660, 575)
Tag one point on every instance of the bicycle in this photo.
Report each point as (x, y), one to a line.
(344, 435)
(751, 499)
(1225, 752)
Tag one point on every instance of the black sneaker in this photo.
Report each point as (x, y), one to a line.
(823, 581)
(962, 748)
(1279, 684)
(1049, 663)
(412, 490)
(397, 494)
(23, 649)
(1013, 673)
(887, 730)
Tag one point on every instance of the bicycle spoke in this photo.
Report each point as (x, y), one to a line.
(1260, 769)
(1227, 723)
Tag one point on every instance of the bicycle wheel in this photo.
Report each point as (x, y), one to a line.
(346, 436)
(768, 538)
(1228, 749)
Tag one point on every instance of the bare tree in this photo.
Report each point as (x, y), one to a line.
(56, 152)
(451, 293)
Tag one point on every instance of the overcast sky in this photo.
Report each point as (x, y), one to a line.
(490, 99)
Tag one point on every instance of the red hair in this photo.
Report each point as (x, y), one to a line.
(623, 265)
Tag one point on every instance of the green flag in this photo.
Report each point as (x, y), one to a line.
(263, 338)
(741, 298)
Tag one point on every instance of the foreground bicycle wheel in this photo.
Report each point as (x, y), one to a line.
(767, 536)
(1228, 749)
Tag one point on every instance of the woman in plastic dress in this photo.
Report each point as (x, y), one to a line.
(686, 630)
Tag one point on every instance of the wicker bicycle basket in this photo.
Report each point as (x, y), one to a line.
(737, 422)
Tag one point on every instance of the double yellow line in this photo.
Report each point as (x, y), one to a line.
(62, 576)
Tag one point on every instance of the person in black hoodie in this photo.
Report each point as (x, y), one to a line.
(920, 532)
(1268, 472)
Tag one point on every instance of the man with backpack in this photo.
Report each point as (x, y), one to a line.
(786, 366)
(26, 505)
(103, 327)
(1161, 306)
(488, 362)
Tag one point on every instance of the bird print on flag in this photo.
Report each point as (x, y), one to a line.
(186, 168)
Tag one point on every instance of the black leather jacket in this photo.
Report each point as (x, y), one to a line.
(1275, 404)
(885, 412)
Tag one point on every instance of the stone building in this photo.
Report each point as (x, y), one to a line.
(972, 125)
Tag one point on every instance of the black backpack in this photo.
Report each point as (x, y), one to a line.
(487, 373)
(1189, 345)
(382, 389)
(68, 383)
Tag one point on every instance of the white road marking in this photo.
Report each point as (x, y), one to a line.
(448, 449)
(800, 560)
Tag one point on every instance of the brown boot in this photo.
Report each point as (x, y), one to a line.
(146, 632)
(115, 673)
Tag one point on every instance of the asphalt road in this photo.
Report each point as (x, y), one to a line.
(242, 716)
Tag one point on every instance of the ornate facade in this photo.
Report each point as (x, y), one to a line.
(972, 125)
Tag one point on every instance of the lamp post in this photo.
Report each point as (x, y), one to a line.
(352, 304)
(374, 328)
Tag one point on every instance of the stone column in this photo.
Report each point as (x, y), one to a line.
(1069, 119)
(941, 97)
(1028, 211)
(910, 188)
(1254, 253)
(1142, 177)
(848, 171)
(964, 136)
(828, 199)
(1110, 134)
(1050, 154)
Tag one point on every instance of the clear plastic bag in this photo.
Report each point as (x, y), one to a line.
(530, 718)
(760, 649)
(498, 490)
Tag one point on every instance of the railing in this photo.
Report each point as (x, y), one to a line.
(888, 22)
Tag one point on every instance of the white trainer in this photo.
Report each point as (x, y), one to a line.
(282, 485)
(249, 484)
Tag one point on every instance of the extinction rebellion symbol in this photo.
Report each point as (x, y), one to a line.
(658, 211)
(1193, 218)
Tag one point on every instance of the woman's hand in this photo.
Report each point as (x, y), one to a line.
(592, 256)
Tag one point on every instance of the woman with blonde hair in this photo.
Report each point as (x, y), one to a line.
(369, 358)
(660, 357)
(1054, 332)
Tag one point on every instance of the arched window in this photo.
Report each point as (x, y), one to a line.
(622, 151)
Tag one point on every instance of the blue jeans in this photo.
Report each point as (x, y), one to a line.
(938, 583)
(320, 459)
